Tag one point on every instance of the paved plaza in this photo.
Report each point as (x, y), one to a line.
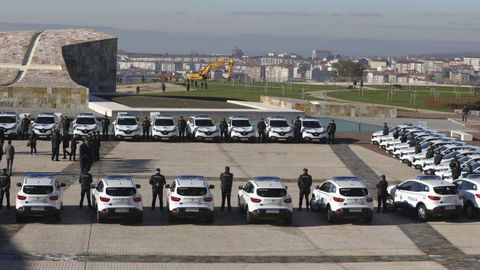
(392, 241)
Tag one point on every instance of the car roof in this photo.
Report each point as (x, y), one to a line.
(50, 114)
(39, 179)
(8, 113)
(475, 178)
(190, 180)
(267, 181)
(347, 181)
(201, 116)
(86, 114)
(118, 180)
(166, 116)
(240, 117)
(277, 117)
(309, 119)
(433, 183)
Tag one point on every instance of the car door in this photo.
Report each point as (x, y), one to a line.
(323, 194)
(97, 191)
(246, 193)
(401, 193)
(467, 189)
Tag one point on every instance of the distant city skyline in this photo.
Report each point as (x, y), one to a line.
(437, 24)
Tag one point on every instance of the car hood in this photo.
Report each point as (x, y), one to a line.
(314, 130)
(7, 126)
(125, 127)
(84, 126)
(43, 126)
(281, 129)
(164, 128)
(207, 129)
(242, 129)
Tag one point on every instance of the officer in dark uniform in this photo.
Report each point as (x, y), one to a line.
(226, 182)
(182, 126)
(385, 129)
(396, 133)
(65, 144)
(469, 168)
(98, 143)
(91, 147)
(33, 143)
(331, 129)
(412, 142)
(73, 148)
(261, 130)
(146, 128)
(403, 138)
(66, 125)
(418, 148)
(297, 127)
(438, 158)
(455, 168)
(304, 184)
(223, 130)
(55, 145)
(5, 188)
(429, 152)
(105, 126)
(382, 193)
(85, 181)
(84, 156)
(157, 181)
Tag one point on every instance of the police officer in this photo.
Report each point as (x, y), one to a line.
(91, 147)
(32, 142)
(455, 168)
(66, 125)
(84, 156)
(24, 127)
(396, 133)
(5, 188)
(261, 126)
(55, 140)
(385, 129)
(182, 126)
(226, 182)
(224, 130)
(412, 142)
(403, 138)
(157, 181)
(430, 152)
(146, 128)
(304, 184)
(297, 127)
(382, 193)
(9, 156)
(438, 158)
(65, 144)
(85, 181)
(331, 129)
(469, 168)
(105, 126)
(73, 148)
(418, 148)
(98, 143)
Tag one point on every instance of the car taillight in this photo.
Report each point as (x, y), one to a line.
(53, 198)
(137, 199)
(207, 199)
(175, 199)
(103, 199)
(255, 200)
(369, 199)
(288, 200)
(460, 197)
(338, 199)
(433, 198)
(477, 195)
(22, 198)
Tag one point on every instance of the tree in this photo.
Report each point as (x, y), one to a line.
(346, 70)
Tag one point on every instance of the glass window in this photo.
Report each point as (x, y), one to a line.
(100, 187)
(278, 123)
(271, 192)
(353, 192)
(164, 122)
(240, 123)
(325, 187)
(45, 120)
(121, 191)
(204, 123)
(8, 119)
(127, 121)
(311, 124)
(446, 190)
(191, 191)
(85, 121)
(39, 190)
(406, 186)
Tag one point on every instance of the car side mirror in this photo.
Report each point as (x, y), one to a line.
(240, 187)
(211, 186)
(62, 185)
(317, 187)
(19, 184)
(167, 186)
(138, 186)
(93, 186)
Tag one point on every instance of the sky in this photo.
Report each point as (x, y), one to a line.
(428, 20)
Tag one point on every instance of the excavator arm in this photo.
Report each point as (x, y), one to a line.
(203, 74)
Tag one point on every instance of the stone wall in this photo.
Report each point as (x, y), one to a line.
(330, 108)
(44, 98)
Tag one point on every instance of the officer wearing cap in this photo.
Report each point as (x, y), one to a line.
(304, 184)
(226, 182)
(157, 181)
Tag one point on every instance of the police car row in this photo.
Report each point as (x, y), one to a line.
(164, 127)
(190, 196)
(431, 145)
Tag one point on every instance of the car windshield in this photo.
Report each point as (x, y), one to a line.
(278, 123)
(85, 121)
(450, 155)
(40, 190)
(464, 159)
(446, 190)
(272, 192)
(311, 124)
(121, 191)
(164, 122)
(425, 145)
(45, 120)
(475, 165)
(191, 191)
(8, 119)
(204, 123)
(127, 121)
(240, 123)
(353, 192)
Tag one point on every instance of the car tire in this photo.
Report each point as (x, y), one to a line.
(368, 219)
(313, 205)
(99, 217)
(210, 219)
(470, 210)
(240, 208)
(288, 220)
(330, 216)
(249, 219)
(422, 214)
(57, 217)
(171, 218)
(20, 218)
(390, 204)
(139, 218)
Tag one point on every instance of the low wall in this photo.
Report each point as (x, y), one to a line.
(20, 98)
(322, 108)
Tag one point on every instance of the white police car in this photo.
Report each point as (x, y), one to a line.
(164, 127)
(44, 123)
(468, 187)
(202, 127)
(265, 197)
(126, 126)
(428, 195)
(117, 196)
(85, 124)
(343, 197)
(278, 129)
(40, 195)
(441, 168)
(10, 123)
(240, 129)
(189, 196)
(312, 130)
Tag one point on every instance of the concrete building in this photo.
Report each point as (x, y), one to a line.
(320, 54)
(378, 64)
(255, 72)
(279, 59)
(55, 69)
(278, 73)
(473, 61)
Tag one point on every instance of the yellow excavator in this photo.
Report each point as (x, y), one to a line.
(203, 74)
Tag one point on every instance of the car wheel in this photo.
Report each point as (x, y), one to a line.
(210, 219)
(58, 217)
(240, 208)
(313, 205)
(99, 217)
(139, 218)
(250, 218)
(470, 210)
(288, 220)
(171, 218)
(368, 219)
(390, 204)
(422, 213)
(330, 215)
(20, 218)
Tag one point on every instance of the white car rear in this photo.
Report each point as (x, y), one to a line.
(469, 188)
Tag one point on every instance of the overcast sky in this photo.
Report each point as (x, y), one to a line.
(375, 19)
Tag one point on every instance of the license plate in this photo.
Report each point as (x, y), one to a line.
(191, 209)
(355, 210)
(282, 139)
(164, 138)
(272, 211)
(315, 140)
(208, 139)
(450, 207)
(121, 210)
(244, 139)
(127, 137)
(37, 208)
